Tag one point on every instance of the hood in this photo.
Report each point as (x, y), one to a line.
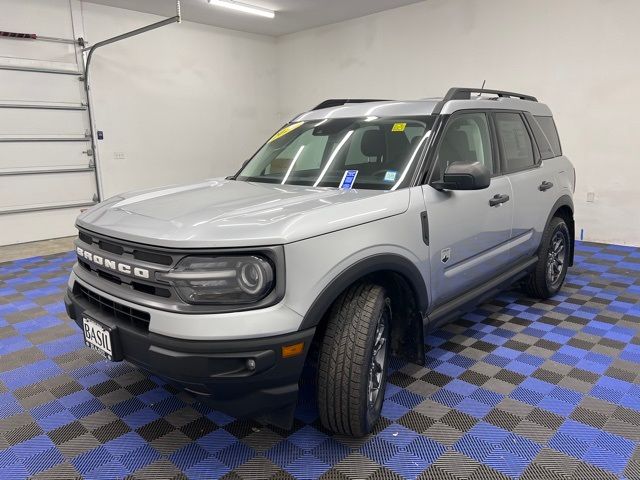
(226, 213)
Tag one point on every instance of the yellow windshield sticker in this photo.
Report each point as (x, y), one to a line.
(399, 127)
(285, 130)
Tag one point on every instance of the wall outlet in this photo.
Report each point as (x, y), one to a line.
(118, 155)
(591, 197)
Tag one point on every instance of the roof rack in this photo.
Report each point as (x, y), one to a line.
(457, 93)
(336, 102)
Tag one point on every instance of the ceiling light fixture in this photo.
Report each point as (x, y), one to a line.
(243, 7)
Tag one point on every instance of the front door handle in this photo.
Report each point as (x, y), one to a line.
(544, 186)
(498, 200)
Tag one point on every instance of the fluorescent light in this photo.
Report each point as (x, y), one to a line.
(243, 7)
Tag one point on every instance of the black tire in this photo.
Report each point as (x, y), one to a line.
(346, 360)
(549, 274)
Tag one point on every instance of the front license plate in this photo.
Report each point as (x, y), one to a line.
(98, 337)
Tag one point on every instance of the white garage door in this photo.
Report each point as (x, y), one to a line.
(46, 165)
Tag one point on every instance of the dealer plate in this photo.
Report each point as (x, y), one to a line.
(97, 337)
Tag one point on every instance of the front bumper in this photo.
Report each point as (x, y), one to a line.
(220, 370)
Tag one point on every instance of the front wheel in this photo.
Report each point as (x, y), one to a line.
(352, 367)
(550, 272)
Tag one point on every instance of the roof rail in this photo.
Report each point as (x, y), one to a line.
(336, 102)
(457, 93)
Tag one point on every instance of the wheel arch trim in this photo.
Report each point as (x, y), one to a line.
(564, 201)
(366, 266)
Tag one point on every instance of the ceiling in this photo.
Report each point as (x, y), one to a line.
(291, 15)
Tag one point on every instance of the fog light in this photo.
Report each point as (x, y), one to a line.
(293, 350)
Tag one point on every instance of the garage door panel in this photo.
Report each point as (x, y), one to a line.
(44, 17)
(27, 87)
(33, 226)
(43, 122)
(28, 155)
(25, 191)
(37, 50)
(28, 64)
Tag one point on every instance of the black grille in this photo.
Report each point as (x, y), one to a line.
(110, 247)
(85, 238)
(107, 276)
(133, 317)
(153, 257)
(139, 254)
(140, 287)
(126, 252)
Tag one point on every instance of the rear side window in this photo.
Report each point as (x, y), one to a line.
(544, 147)
(548, 126)
(515, 143)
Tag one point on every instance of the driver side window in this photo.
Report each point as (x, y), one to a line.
(466, 140)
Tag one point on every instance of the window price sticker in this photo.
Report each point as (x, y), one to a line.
(348, 179)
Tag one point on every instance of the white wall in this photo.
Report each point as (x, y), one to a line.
(178, 104)
(578, 56)
(191, 101)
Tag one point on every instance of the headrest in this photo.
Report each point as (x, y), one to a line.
(458, 139)
(373, 143)
(459, 143)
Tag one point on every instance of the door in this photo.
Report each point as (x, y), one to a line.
(47, 171)
(532, 181)
(468, 232)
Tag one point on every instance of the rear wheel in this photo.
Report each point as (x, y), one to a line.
(352, 367)
(550, 272)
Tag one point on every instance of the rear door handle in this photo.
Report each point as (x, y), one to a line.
(498, 200)
(544, 186)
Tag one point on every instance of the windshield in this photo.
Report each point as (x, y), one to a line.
(367, 153)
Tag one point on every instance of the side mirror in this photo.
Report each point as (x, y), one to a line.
(464, 176)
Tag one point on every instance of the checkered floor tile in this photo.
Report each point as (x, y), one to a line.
(516, 389)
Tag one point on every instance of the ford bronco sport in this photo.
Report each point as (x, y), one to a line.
(359, 227)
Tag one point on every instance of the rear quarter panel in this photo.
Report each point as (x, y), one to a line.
(565, 174)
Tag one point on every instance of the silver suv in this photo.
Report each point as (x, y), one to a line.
(357, 229)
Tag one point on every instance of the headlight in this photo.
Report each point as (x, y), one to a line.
(224, 280)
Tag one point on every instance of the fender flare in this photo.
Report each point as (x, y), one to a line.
(372, 264)
(564, 201)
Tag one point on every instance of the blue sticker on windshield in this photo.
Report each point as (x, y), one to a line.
(348, 179)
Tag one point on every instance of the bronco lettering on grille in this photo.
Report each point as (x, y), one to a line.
(114, 265)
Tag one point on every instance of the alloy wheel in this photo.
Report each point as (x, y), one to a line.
(556, 258)
(378, 360)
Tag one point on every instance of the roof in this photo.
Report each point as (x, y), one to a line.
(423, 107)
